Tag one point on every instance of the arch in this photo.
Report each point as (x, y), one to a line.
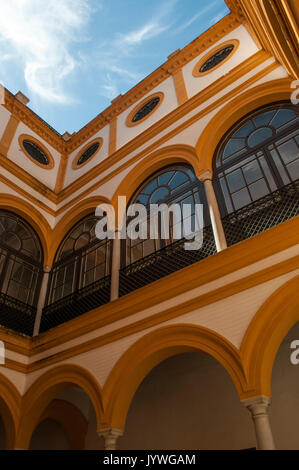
(270, 325)
(266, 93)
(46, 388)
(170, 155)
(154, 348)
(71, 419)
(37, 221)
(70, 218)
(10, 402)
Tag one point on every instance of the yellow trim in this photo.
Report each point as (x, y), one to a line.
(51, 164)
(46, 388)
(61, 175)
(71, 419)
(9, 134)
(154, 348)
(113, 135)
(33, 217)
(135, 110)
(207, 270)
(180, 86)
(266, 93)
(266, 332)
(75, 165)
(233, 42)
(10, 402)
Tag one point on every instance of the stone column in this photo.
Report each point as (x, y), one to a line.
(258, 407)
(110, 437)
(219, 236)
(41, 300)
(115, 265)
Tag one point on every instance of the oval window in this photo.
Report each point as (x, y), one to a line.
(146, 109)
(216, 58)
(35, 152)
(88, 153)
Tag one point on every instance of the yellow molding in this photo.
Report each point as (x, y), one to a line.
(214, 267)
(8, 134)
(130, 123)
(154, 348)
(61, 175)
(46, 388)
(233, 42)
(170, 119)
(23, 137)
(10, 404)
(75, 165)
(180, 86)
(71, 419)
(266, 93)
(270, 325)
(166, 315)
(112, 136)
(33, 217)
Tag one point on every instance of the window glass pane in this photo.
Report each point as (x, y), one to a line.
(268, 174)
(241, 198)
(264, 118)
(293, 169)
(289, 151)
(252, 172)
(282, 117)
(259, 136)
(159, 195)
(226, 195)
(165, 177)
(233, 146)
(280, 167)
(235, 180)
(258, 189)
(245, 130)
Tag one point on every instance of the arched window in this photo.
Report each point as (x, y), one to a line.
(20, 261)
(259, 155)
(82, 260)
(172, 185)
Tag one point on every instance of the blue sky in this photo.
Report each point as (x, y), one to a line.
(72, 57)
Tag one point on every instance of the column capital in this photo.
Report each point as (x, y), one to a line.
(47, 269)
(258, 402)
(206, 175)
(110, 433)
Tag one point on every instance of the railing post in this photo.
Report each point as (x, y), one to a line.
(115, 266)
(41, 300)
(219, 235)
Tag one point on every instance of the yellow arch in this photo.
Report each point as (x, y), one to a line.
(74, 215)
(248, 101)
(32, 216)
(259, 347)
(154, 348)
(10, 403)
(46, 388)
(147, 166)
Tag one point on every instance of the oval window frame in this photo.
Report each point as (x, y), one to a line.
(46, 151)
(196, 69)
(129, 120)
(75, 165)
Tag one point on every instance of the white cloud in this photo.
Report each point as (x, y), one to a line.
(38, 35)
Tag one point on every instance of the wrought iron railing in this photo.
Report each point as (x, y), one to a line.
(262, 214)
(163, 262)
(74, 305)
(16, 315)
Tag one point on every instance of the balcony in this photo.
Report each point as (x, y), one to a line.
(240, 225)
(16, 315)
